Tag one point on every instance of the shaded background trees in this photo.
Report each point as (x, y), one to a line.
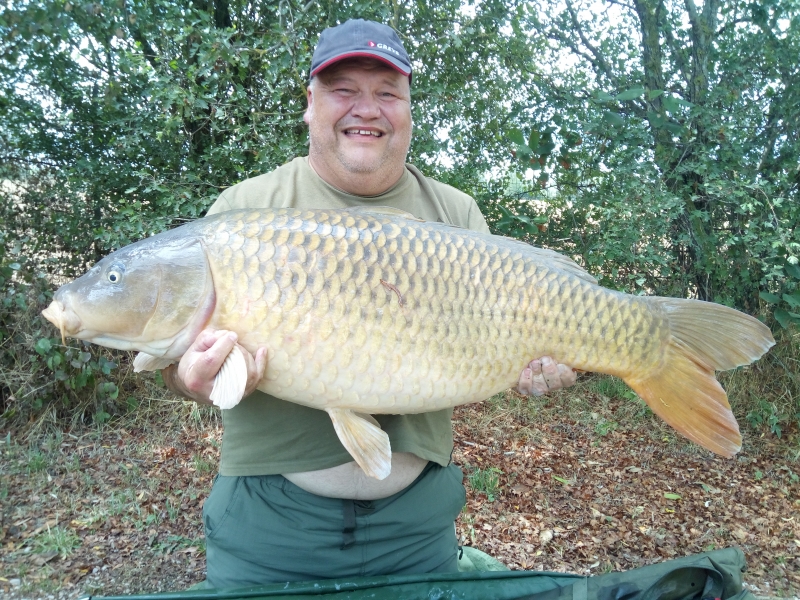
(655, 141)
(691, 116)
(665, 133)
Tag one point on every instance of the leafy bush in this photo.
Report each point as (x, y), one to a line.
(786, 303)
(660, 176)
(39, 374)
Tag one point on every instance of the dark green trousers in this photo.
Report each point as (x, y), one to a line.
(265, 529)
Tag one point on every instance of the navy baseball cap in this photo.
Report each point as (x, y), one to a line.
(358, 37)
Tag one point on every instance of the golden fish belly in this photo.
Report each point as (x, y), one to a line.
(387, 315)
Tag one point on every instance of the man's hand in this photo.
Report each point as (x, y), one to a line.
(545, 375)
(193, 377)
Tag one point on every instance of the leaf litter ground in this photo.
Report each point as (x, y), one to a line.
(118, 510)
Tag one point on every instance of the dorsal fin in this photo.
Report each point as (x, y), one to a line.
(556, 259)
(565, 263)
(559, 261)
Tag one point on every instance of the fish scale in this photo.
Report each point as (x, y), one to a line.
(445, 290)
(368, 311)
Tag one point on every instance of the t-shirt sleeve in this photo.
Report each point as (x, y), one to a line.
(274, 189)
(221, 204)
(476, 220)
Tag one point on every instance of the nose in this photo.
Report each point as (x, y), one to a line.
(366, 107)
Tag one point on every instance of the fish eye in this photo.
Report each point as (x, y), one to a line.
(114, 274)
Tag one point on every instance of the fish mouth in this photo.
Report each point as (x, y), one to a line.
(66, 320)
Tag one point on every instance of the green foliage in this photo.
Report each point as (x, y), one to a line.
(786, 303)
(682, 184)
(76, 368)
(60, 540)
(202, 465)
(658, 147)
(612, 387)
(766, 414)
(154, 107)
(36, 461)
(39, 374)
(603, 427)
(486, 481)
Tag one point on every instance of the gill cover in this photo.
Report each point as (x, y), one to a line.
(152, 296)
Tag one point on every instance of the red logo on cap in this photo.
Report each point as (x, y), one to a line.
(372, 44)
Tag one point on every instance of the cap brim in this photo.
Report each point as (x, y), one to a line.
(396, 65)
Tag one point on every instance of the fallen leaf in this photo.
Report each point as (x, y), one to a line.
(41, 559)
(545, 536)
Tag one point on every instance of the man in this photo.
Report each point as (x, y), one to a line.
(290, 504)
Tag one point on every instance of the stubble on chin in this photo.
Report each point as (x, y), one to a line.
(362, 165)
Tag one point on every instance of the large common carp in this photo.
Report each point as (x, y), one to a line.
(373, 311)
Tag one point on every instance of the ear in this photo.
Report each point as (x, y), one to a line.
(310, 100)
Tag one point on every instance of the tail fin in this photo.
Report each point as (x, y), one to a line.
(705, 338)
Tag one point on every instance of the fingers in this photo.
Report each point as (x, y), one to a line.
(544, 375)
(567, 376)
(526, 379)
(550, 373)
(201, 363)
(256, 367)
(195, 373)
(207, 338)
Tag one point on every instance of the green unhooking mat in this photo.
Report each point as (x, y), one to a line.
(708, 576)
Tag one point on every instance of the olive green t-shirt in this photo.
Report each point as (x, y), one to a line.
(264, 435)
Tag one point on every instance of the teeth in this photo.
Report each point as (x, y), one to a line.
(364, 132)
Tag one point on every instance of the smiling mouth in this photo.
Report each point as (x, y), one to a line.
(363, 132)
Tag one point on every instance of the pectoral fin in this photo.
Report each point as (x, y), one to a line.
(231, 381)
(366, 442)
(146, 362)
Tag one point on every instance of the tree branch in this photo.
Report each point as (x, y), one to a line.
(678, 51)
(598, 60)
(622, 4)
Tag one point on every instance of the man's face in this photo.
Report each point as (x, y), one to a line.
(359, 118)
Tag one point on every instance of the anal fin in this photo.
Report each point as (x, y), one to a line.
(231, 381)
(366, 442)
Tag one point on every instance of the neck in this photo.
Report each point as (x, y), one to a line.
(357, 184)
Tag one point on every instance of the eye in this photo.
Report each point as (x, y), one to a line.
(114, 273)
